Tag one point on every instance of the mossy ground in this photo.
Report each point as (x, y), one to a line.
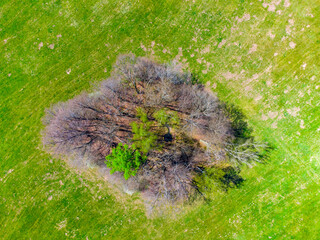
(261, 56)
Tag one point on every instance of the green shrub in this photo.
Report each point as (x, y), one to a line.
(143, 139)
(125, 159)
(167, 118)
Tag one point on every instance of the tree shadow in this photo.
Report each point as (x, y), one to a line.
(238, 121)
(231, 178)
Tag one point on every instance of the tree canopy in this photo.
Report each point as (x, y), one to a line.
(125, 159)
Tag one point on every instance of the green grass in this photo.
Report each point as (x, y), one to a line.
(279, 200)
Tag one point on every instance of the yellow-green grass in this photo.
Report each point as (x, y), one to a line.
(261, 56)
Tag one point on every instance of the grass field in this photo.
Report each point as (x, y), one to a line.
(262, 56)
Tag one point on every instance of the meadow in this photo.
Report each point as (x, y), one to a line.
(262, 56)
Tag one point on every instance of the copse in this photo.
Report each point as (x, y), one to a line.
(149, 122)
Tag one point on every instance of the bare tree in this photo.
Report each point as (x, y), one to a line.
(247, 152)
(85, 125)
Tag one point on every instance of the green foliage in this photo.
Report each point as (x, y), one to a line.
(143, 138)
(143, 116)
(165, 117)
(125, 159)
